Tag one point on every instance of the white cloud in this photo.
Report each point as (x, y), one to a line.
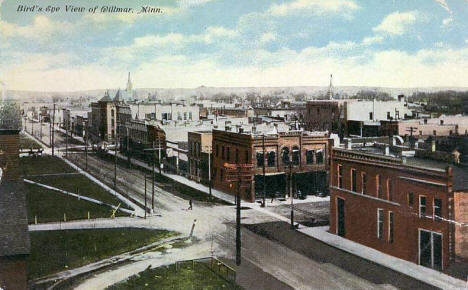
(41, 28)
(397, 23)
(372, 40)
(267, 37)
(447, 21)
(315, 6)
(191, 3)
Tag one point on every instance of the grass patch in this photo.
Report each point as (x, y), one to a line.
(167, 277)
(81, 185)
(27, 143)
(49, 206)
(54, 251)
(44, 165)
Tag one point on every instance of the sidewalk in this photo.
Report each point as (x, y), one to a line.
(415, 271)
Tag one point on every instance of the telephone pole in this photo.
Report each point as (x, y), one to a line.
(238, 220)
(53, 130)
(264, 174)
(86, 146)
(152, 172)
(145, 197)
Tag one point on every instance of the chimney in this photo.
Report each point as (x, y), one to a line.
(387, 150)
(348, 144)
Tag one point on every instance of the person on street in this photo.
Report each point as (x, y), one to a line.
(190, 205)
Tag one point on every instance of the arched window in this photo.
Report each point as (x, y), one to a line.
(260, 159)
(296, 155)
(319, 156)
(285, 156)
(271, 159)
(310, 156)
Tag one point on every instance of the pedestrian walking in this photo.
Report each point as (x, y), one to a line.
(190, 205)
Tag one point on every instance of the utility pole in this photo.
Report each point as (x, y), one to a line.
(86, 146)
(40, 129)
(209, 173)
(53, 130)
(115, 163)
(152, 172)
(66, 140)
(264, 173)
(238, 219)
(291, 195)
(128, 149)
(145, 197)
(159, 151)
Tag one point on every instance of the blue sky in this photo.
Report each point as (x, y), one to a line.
(390, 43)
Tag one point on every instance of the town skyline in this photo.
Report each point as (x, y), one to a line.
(266, 44)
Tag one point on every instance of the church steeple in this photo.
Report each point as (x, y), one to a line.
(129, 86)
(330, 88)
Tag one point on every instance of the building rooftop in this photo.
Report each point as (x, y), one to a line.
(14, 236)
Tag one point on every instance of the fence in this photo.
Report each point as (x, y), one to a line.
(212, 263)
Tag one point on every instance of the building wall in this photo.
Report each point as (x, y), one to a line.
(199, 146)
(361, 110)
(13, 273)
(9, 154)
(361, 209)
(323, 116)
(248, 147)
(461, 233)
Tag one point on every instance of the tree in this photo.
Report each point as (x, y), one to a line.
(10, 117)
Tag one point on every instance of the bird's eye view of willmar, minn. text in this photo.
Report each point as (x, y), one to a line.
(233, 144)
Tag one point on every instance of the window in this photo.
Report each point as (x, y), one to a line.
(285, 155)
(434, 132)
(437, 208)
(364, 183)
(390, 189)
(380, 223)
(390, 227)
(228, 153)
(340, 176)
(371, 116)
(260, 160)
(379, 186)
(422, 206)
(388, 116)
(296, 155)
(237, 155)
(271, 158)
(310, 156)
(190, 115)
(319, 156)
(353, 180)
(221, 174)
(247, 156)
(411, 199)
(222, 152)
(217, 150)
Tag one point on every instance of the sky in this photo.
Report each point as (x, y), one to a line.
(225, 43)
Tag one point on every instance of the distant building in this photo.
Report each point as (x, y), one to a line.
(445, 125)
(408, 207)
(199, 154)
(306, 151)
(103, 119)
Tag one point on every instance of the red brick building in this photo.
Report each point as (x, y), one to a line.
(14, 236)
(307, 152)
(403, 206)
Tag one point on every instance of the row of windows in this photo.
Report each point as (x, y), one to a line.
(422, 206)
(312, 156)
(226, 154)
(379, 192)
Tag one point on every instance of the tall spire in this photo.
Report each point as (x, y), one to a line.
(129, 86)
(330, 88)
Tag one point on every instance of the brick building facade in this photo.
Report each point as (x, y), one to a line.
(404, 207)
(199, 153)
(307, 152)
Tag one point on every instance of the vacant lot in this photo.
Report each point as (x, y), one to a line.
(50, 206)
(185, 276)
(44, 165)
(55, 251)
